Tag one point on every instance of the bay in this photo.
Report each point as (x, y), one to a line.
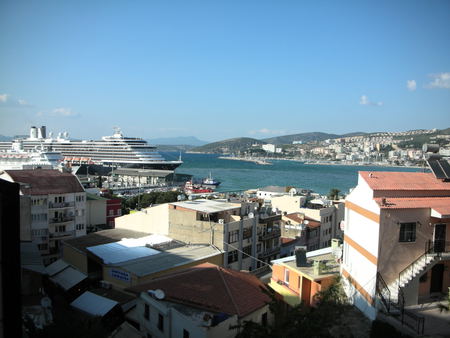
(240, 175)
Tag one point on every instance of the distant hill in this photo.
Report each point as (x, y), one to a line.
(307, 137)
(228, 146)
(5, 138)
(181, 140)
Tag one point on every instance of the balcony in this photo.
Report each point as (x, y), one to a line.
(62, 219)
(269, 252)
(269, 234)
(52, 205)
(60, 234)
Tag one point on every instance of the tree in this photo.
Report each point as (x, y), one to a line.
(334, 194)
(321, 320)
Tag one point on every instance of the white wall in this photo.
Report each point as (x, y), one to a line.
(152, 220)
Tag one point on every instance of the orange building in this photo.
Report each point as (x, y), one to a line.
(299, 278)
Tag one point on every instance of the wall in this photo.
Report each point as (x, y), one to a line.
(25, 218)
(75, 258)
(394, 256)
(287, 203)
(95, 212)
(153, 220)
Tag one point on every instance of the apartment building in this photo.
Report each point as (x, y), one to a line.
(53, 208)
(240, 230)
(396, 240)
(202, 301)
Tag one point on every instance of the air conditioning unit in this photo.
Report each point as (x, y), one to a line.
(105, 285)
(221, 221)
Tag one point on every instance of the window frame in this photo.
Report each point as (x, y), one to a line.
(407, 232)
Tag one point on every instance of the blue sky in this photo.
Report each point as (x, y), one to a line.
(222, 69)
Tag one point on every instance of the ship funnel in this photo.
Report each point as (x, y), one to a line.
(33, 132)
(42, 132)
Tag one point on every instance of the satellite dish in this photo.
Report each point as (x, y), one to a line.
(251, 215)
(46, 302)
(306, 222)
(159, 294)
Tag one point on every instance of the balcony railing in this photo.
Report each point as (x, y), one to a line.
(269, 234)
(60, 234)
(53, 205)
(269, 252)
(62, 219)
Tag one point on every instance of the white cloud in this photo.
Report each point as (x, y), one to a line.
(4, 97)
(22, 102)
(364, 100)
(267, 131)
(411, 85)
(64, 112)
(441, 80)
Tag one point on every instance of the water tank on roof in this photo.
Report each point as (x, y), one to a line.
(430, 148)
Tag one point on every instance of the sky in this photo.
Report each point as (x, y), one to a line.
(223, 69)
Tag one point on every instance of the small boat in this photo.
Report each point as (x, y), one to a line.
(192, 188)
(210, 182)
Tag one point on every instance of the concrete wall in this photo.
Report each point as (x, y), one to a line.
(394, 256)
(76, 258)
(287, 203)
(153, 220)
(95, 212)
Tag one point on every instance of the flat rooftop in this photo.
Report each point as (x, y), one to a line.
(103, 237)
(207, 206)
(168, 259)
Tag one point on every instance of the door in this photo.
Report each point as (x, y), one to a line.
(439, 237)
(437, 275)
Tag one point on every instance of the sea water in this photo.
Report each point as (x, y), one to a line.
(240, 175)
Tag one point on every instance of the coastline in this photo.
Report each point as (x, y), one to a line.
(321, 162)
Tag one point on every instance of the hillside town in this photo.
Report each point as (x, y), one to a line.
(387, 148)
(206, 267)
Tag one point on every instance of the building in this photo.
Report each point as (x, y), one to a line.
(306, 230)
(240, 230)
(202, 301)
(124, 258)
(113, 210)
(299, 278)
(53, 208)
(396, 240)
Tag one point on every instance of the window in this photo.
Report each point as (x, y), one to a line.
(161, 322)
(185, 333)
(247, 233)
(232, 256)
(111, 212)
(264, 319)
(233, 236)
(146, 311)
(247, 250)
(286, 276)
(407, 232)
(42, 246)
(258, 247)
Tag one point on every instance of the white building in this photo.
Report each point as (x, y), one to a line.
(397, 235)
(52, 208)
(204, 301)
(270, 148)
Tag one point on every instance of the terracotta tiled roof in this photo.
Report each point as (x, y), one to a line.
(45, 181)
(212, 288)
(385, 180)
(296, 217)
(286, 240)
(439, 204)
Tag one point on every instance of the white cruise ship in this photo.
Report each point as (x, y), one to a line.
(110, 152)
(16, 158)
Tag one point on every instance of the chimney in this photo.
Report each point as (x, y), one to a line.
(300, 256)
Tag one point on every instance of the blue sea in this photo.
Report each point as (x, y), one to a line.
(240, 175)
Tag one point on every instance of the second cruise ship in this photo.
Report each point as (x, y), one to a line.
(116, 151)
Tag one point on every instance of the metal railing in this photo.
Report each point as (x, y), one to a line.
(269, 252)
(383, 291)
(53, 205)
(60, 234)
(276, 232)
(62, 219)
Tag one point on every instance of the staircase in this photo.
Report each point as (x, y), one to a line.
(410, 272)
